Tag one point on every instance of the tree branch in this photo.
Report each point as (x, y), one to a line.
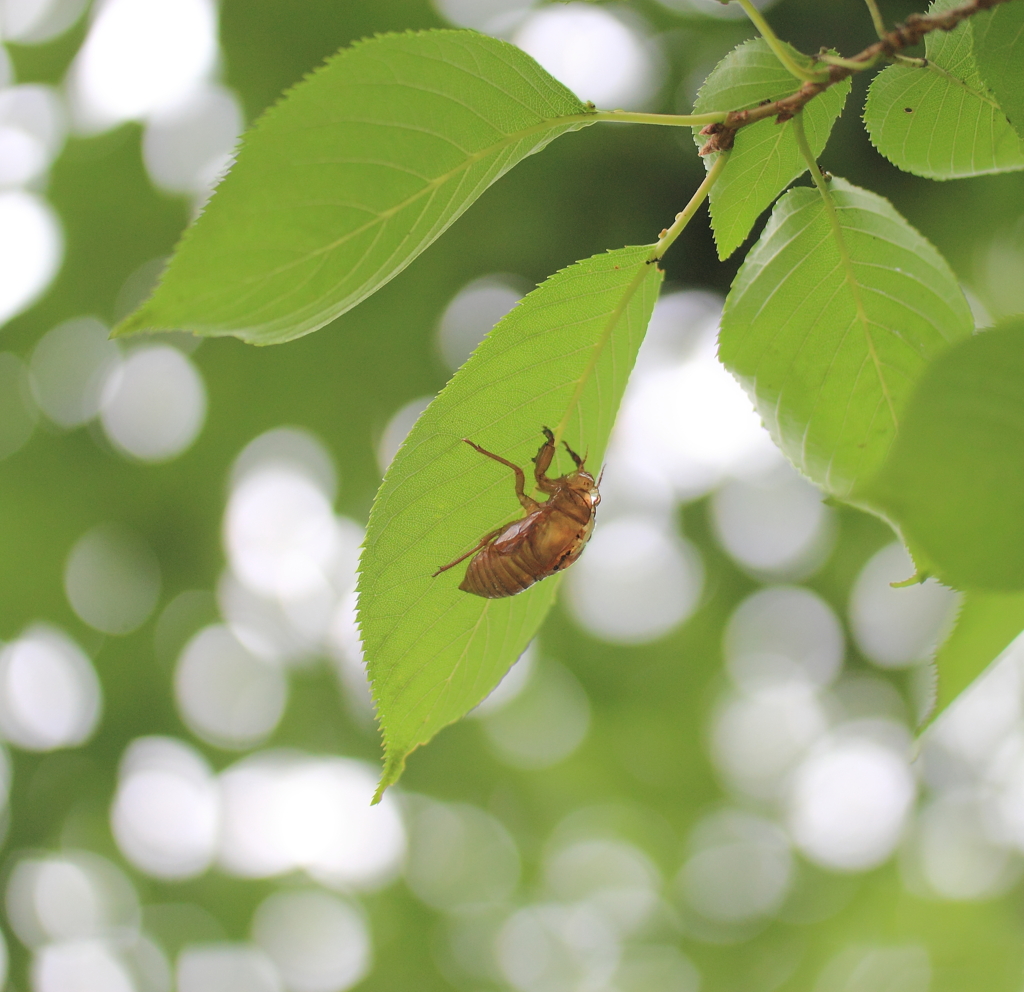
(722, 135)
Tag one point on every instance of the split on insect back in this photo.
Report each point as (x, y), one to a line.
(562, 358)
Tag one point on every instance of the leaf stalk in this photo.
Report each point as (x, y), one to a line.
(876, 17)
(853, 64)
(757, 18)
(672, 120)
(685, 215)
(663, 244)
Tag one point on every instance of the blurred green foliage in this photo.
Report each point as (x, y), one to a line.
(646, 752)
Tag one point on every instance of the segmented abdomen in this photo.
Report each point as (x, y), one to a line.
(528, 550)
(494, 576)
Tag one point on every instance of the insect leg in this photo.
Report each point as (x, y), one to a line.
(528, 503)
(572, 454)
(542, 462)
(483, 542)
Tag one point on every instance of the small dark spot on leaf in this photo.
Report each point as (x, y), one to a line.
(908, 110)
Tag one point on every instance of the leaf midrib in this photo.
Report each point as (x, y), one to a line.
(847, 261)
(381, 219)
(602, 342)
(597, 349)
(548, 124)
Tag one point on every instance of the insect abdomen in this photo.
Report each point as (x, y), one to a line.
(529, 550)
(549, 538)
(495, 576)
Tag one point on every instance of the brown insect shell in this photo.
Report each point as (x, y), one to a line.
(545, 541)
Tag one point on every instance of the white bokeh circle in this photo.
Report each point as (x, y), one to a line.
(319, 942)
(848, 803)
(166, 811)
(227, 695)
(154, 404)
(635, 582)
(285, 811)
(112, 579)
(31, 248)
(50, 696)
(597, 55)
(141, 56)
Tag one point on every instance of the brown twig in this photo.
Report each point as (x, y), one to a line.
(722, 135)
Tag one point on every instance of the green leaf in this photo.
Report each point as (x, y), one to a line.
(999, 50)
(987, 623)
(941, 121)
(954, 480)
(765, 158)
(829, 377)
(356, 171)
(561, 357)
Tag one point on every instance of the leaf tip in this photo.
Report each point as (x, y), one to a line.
(394, 765)
(139, 322)
(724, 248)
(915, 580)
(725, 241)
(134, 323)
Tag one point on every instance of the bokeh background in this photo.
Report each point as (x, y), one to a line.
(701, 776)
